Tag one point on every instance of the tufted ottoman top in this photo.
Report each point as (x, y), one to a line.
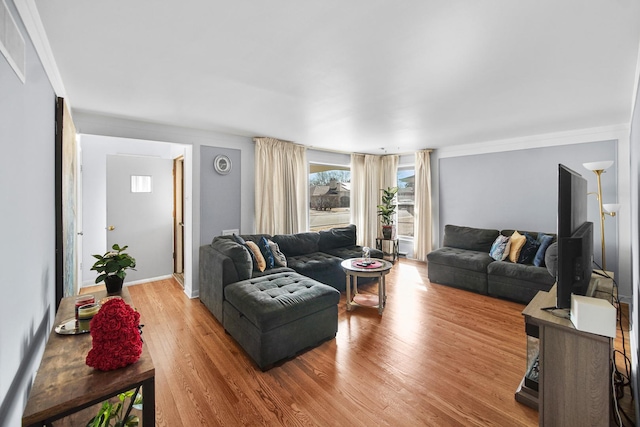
(276, 299)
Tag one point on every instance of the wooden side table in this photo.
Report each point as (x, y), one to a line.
(353, 271)
(389, 247)
(65, 384)
(573, 368)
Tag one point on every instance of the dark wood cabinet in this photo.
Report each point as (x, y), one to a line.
(573, 367)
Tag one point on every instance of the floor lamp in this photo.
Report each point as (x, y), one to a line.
(605, 209)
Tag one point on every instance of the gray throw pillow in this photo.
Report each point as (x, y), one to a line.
(278, 257)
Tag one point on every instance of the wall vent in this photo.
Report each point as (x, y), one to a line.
(11, 42)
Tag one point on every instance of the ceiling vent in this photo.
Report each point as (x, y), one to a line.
(11, 42)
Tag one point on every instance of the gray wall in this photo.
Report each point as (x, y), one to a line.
(95, 149)
(27, 276)
(220, 202)
(89, 123)
(518, 190)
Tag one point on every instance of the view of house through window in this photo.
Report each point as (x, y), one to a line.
(329, 196)
(406, 201)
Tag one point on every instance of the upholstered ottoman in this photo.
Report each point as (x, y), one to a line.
(276, 316)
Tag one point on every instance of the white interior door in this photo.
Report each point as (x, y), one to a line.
(140, 212)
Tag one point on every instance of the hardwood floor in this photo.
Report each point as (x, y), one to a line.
(438, 356)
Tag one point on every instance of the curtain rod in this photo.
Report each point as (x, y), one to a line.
(311, 147)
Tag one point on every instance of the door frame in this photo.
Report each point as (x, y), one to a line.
(178, 214)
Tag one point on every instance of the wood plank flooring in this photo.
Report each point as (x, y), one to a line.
(438, 356)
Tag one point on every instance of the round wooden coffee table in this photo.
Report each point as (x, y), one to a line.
(356, 267)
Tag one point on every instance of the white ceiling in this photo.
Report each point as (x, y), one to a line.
(351, 75)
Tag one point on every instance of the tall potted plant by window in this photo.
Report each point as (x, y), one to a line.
(386, 211)
(113, 266)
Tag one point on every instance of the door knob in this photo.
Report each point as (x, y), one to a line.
(111, 228)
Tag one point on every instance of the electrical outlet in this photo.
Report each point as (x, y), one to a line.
(230, 232)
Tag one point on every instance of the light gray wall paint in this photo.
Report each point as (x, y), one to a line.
(95, 149)
(27, 276)
(220, 195)
(88, 123)
(518, 190)
(142, 221)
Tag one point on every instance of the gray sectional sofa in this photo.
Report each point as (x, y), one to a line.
(464, 262)
(276, 313)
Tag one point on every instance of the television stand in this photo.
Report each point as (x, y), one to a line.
(573, 367)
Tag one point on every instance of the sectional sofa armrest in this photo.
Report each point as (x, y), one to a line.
(216, 271)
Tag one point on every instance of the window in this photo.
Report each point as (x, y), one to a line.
(329, 196)
(140, 184)
(406, 200)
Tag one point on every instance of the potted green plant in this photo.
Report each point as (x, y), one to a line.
(110, 415)
(112, 267)
(386, 211)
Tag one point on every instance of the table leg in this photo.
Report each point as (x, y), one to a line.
(381, 294)
(348, 285)
(149, 403)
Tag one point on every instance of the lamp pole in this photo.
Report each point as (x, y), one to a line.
(599, 195)
(609, 209)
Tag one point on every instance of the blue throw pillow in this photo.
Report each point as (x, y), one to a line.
(529, 250)
(266, 252)
(544, 240)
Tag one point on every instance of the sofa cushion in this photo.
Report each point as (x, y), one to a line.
(276, 299)
(259, 262)
(521, 272)
(337, 238)
(312, 264)
(298, 244)
(353, 251)
(551, 259)
(473, 239)
(263, 244)
(278, 257)
(517, 243)
(545, 241)
(529, 250)
(500, 248)
(238, 254)
(461, 258)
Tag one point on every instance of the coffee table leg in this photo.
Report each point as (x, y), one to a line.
(348, 285)
(382, 294)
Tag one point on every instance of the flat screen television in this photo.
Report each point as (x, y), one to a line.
(575, 237)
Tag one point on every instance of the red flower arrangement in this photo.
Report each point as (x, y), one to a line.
(116, 336)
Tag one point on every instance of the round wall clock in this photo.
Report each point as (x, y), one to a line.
(222, 164)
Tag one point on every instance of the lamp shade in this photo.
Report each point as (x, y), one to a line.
(611, 207)
(598, 166)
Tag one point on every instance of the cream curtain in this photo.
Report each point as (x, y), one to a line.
(369, 175)
(422, 219)
(281, 186)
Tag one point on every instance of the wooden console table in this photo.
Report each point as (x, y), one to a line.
(574, 369)
(64, 383)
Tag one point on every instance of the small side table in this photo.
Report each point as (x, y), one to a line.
(64, 384)
(353, 271)
(389, 247)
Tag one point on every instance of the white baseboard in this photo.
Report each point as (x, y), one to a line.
(135, 282)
